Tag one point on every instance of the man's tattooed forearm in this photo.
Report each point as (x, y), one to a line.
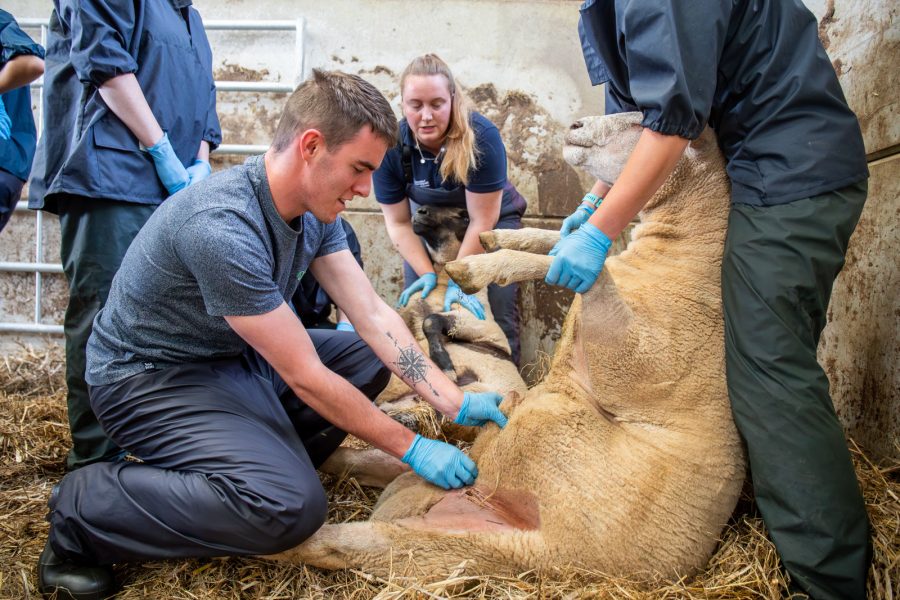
(412, 364)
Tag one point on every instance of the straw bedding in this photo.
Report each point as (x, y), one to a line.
(34, 441)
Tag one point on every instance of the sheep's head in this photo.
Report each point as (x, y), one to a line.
(602, 145)
(443, 229)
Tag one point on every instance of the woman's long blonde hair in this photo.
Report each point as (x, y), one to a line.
(460, 152)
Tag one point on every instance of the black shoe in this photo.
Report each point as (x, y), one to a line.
(71, 581)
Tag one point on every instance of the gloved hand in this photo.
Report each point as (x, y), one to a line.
(581, 214)
(198, 171)
(479, 408)
(426, 283)
(455, 295)
(439, 463)
(345, 326)
(575, 220)
(169, 169)
(5, 122)
(579, 259)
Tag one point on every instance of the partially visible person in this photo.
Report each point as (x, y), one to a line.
(198, 366)
(448, 155)
(757, 74)
(129, 93)
(313, 304)
(21, 62)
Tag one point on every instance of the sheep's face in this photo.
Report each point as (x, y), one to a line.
(443, 229)
(601, 145)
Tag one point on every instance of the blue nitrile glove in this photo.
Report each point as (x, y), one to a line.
(440, 463)
(581, 214)
(5, 122)
(169, 169)
(345, 326)
(426, 283)
(575, 220)
(455, 295)
(479, 408)
(579, 259)
(198, 171)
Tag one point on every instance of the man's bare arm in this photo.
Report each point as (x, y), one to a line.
(282, 341)
(384, 331)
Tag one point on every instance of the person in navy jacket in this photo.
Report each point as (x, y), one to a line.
(757, 74)
(448, 155)
(21, 62)
(131, 111)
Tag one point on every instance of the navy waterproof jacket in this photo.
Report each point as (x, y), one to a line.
(17, 152)
(754, 70)
(85, 150)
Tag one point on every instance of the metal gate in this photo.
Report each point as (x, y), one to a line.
(39, 268)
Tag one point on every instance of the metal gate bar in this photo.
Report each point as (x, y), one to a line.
(39, 268)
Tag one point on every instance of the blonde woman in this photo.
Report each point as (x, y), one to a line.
(448, 155)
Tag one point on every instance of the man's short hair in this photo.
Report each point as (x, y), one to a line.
(338, 105)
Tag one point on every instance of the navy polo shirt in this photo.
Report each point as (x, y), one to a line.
(17, 152)
(489, 175)
(754, 71)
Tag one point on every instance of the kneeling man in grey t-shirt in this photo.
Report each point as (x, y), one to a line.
(198, 366)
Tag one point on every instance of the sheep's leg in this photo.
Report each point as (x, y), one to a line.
(503, 267)
(460, 325)
(529, 239)
(435, 328)
(483, 536)
(370, 467)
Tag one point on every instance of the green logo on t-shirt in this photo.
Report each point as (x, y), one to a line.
(300, 275)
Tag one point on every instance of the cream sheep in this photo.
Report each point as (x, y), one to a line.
(625, 459)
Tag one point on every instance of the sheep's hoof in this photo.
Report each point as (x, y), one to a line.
(465, 277)
(489, 241)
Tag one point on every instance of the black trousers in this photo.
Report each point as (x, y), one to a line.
(95, 234)
(230, 456)
(779, 266)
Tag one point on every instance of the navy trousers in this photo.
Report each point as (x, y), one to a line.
(230, 456)
(10, 190)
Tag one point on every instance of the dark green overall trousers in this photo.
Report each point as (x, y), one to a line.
(777, 272)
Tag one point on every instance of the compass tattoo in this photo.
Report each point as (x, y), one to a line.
(412, 364)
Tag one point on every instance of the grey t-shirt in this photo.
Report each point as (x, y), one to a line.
(215, 249)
